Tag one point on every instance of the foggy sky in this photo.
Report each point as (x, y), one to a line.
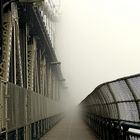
(97, 41)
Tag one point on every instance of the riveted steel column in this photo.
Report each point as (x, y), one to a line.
(1, 31)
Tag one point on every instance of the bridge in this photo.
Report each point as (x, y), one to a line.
(32, 84)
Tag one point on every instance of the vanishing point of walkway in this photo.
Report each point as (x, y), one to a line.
(71, 127)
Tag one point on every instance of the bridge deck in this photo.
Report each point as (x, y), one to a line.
(70, 128)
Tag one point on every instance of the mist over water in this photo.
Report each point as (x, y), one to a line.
(97, 41)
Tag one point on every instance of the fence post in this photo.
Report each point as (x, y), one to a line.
(125, 129)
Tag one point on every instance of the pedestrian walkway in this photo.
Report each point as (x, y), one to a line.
(71, 127)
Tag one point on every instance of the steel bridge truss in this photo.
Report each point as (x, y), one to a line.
(30, 86)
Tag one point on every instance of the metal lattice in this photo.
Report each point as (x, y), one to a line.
(7, 40)
(119, 100)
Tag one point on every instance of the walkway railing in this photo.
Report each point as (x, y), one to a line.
(113, 109)
(25, 112)
(107, 129)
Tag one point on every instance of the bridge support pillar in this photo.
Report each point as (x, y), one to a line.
(1, 31)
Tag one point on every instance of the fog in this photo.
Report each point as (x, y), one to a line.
(97, 41)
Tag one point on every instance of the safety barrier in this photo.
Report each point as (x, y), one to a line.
(113, 109)
(108, 129)
(25, 114)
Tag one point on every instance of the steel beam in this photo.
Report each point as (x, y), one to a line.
(1, 31)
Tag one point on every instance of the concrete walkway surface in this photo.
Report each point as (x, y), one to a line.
(71, 127)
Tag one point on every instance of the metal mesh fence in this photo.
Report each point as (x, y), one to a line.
(16, 104)
(20, 107)
(2, 106)
(119, 99)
